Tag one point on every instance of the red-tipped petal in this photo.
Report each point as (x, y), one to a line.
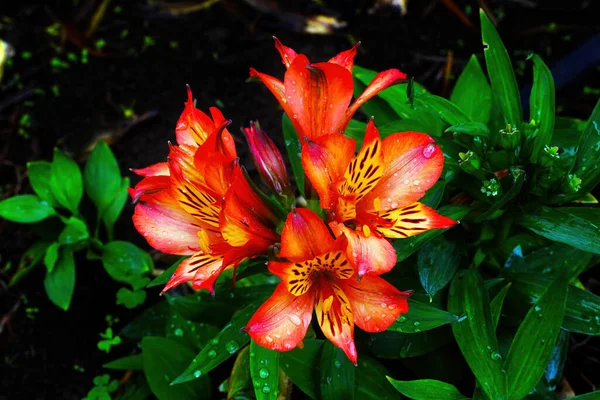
(346, 58)
(375, 303)
(413, 163)
(160, 169)
(381, 81)
(201, 269)
(305, 236)
(335, 317)
(324, 160)
(193, 126)
(412, 220)
(281, 322)
(370, 255)
(287, 53)
(149, 185)
(165, 225)
(317, 96)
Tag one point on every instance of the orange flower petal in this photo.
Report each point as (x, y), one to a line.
(413, 164)
(375, 303)
(412, 220)
(305, 236)
(381, 81)
(193, 126)
(346, 58)
(287, 54)
(318, 96)
(149, 185)
(281, 322)
(335, 317)
(324, 160)
(159, 169)
(201, 269)
(165, 225)
(370, 255)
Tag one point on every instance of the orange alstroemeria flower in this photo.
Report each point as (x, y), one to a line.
(317, 97)
(199, 203)
(318, 275)
(373, 195)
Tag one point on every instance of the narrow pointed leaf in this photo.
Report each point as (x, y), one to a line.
(337, 374)
(554, 370)
(496, 305)
(240, 381)
(471, 129)
(264, 370)
(532, 346)
(422, 317)
(395, 345)
(164, 277)
(371, 382)
(426, 389)
(472, 92)
(475, 335)
(542, 106)
(128, 363)
(301, 365)
(115, 207)
(501, 73)
(294, 151)
(437, 262)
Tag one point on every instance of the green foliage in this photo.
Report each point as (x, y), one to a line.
(264, 371)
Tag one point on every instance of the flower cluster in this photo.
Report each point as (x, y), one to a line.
(200, 203)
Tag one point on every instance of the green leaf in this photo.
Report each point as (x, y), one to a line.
(370, 381)
(240, 381)
(496, 305)
(75, 231)
(554, 370)
(131, 299)
(60, 282)
(195, 335)
(337, 374)
(532, 346)
(223, 346)
(39, 173)
(164, 359)
(151, 322)
(472, 92)
(446, 110)
(470, 128)
(518, 178)
(128, 363)
(434, 195)
(114, 209)
(102, 177)
(164, 277)
(124, 261)
(588, 153)
(575, 227)
(500, 71)
(302, 366)
(557, 258)
(51, 256)
(66, 181)
(475, 335)
(406, 247)
(374, 107)
(542, 106)
(294, 150)
(422, 317)
(394, 345)
(437, 261)
(588, 396)
(25, 209)
(426, 389)
(264, 370)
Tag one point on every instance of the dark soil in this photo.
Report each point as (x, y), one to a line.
(211, 50)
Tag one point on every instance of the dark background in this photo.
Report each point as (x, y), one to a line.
(167, 47)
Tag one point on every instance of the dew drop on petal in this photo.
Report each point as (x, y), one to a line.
(295, 319)
(429, 150)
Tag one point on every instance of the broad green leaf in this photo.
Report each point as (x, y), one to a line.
(337, 374)
(264, 370)
(532, 345)
(371, 382)
(163, 360)
(437, 262)
(422, 317)
(588, 396)
(164, 277)
(51, 256)
(195, 335)
(60, 282)
(434, 195)
(401, 125)
(588, 153)
(472, 92)
(131, 299)
(223, 346)
(124, 261)
(542, 106)
(151, 322)
(470, 128)
(102, 177)
(394, 345)
(501, 73)
(302, 366)
(557, 258)
(294, 151)
(239, 384)
(475, 335)
(406, 247)
(554, 370)
(582, 314)
(31, 258)
(39, 174)
(427, 389)
(25, 209)
(576, 227)
(114, 209)
(374, 107)
(75, 231)
(128, 363)
(66, 181)
(496, 305)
